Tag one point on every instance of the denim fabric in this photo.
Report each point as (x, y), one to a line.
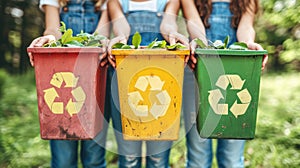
(147, 23)
(199, 151)
(64, 153)
(80, 15)
(220, 23)
(130, 152)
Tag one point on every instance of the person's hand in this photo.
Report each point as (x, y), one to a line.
(173, 38)
(39, 42)
(118, 39)
(193, 60)
(103, 56)
(256, 46)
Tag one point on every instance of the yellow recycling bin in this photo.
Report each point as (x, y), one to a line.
(150, 92)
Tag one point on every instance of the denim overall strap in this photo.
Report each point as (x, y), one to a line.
(80, 16)
(161, 5)
(220, 23)
(147, 23)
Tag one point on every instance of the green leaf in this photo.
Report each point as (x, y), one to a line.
(151, 45)
(126, 47)
(62, 27)
(67, 36)
(98, 37)
(73, 44)
(94, 43)
(218, 44)
(136, 40)
(176, 46)
(162, 44)
(226, 41)
(118, 45)
(82, 39)
(238, 46)
(158, 44)
(200, 43)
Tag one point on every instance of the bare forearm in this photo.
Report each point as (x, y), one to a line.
(103, 27)
(120, 25)
(195, 25)
(246, 34)
(52, 21)
(169, 24)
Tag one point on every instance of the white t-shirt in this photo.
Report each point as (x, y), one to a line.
(56, 4)
(150, 5)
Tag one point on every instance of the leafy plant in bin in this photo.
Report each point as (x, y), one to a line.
(137, 39)
(80, 40)
(218, 44)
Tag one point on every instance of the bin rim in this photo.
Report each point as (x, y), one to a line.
(152, 52)
(65, 49)
(230, 52)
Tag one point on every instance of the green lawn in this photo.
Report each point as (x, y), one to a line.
(277, 141)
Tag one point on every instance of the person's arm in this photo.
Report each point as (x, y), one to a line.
(120, 26)
(51, 33)
(103, 26)
(168, 27)
(195, 27)
(52, 21)
(246, 32)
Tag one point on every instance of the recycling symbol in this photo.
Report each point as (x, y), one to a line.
(72, 107)
(236, 84)
(159, 98)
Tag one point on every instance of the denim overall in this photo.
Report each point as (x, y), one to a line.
(200, 151)
(147, 23)
(79, 15)
(220, 23)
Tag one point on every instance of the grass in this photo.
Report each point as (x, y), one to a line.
(277, 141)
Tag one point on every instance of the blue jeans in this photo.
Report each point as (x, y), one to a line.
(199, 151)
(130, 152)
(64, 154)
(79, 16)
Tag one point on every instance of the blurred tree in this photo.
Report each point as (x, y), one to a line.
(22, 22)
(3, 33)
(278, 29)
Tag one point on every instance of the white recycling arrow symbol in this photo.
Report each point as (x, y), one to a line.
(236, 84)
(159, 98)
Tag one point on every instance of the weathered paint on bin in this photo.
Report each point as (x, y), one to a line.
(229, 82)
(70, 88)
(150, 92)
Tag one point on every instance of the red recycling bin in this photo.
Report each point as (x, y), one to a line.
(70, 88)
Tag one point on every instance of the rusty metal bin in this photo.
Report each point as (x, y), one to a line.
(70, 88)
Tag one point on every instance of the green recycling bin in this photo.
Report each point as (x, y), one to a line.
(229, 83)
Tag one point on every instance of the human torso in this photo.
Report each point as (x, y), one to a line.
(144, 17)
(220, 23)
(80, 16)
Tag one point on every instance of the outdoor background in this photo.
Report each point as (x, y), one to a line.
(277, 140)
